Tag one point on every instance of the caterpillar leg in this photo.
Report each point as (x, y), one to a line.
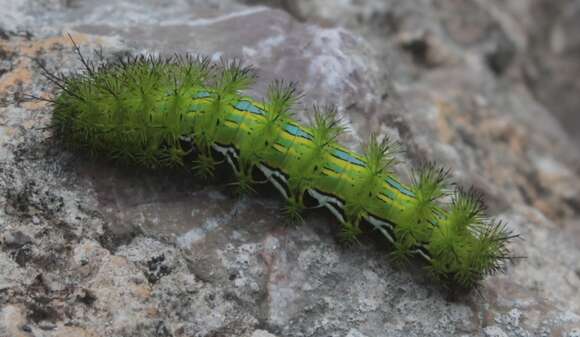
(401, 254)
(204, 166)
(244, 183)
(350, 231)
(173, 157)
(293, 209)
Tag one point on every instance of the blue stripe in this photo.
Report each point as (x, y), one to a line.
(195, 108)
(201, 94)
(388, 194)
(296, 131)
(347, 157)
(395, 184)
(249, 107)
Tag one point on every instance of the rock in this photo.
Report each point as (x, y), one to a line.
(553, 55)
(12, 321)
(89, 249)
(16, 239)
(532, 40)
(494, 331)
(262, 333)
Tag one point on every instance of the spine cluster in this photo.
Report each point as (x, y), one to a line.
(187, 112)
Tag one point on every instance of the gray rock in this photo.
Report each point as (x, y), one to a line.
(89, 249)
(553, 57)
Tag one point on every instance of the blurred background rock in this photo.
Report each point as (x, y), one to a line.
(488, 88)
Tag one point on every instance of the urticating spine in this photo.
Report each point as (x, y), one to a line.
(155, 112)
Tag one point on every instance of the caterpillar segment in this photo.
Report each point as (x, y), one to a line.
(157, 112)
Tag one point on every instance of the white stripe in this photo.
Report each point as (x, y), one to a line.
(420, 252)
(269, 175)
(380, 225)
(227, 152)
(325, 200)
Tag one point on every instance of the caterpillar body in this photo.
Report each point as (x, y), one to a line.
(161, 112)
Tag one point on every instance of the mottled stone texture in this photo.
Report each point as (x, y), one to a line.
(88, 249)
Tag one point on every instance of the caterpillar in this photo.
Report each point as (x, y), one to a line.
(186, 111)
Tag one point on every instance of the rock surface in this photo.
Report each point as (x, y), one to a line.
(88, 249)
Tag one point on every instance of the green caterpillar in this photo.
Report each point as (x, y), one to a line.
(162, 112)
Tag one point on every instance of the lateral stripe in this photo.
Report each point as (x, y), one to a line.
(396, 185)
(247, 106)
(347, 157)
